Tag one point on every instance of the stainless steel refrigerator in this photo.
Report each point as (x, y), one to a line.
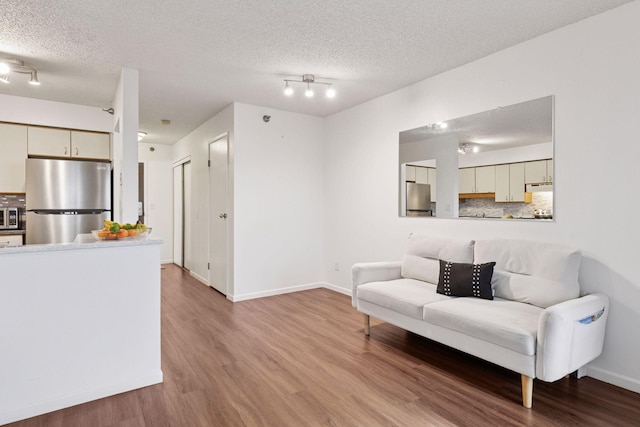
(66, 198)
(418, 199)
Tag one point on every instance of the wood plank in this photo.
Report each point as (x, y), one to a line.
(301, 359)
(477, 196)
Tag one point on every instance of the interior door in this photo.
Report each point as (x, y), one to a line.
(218, 164)
(178, 228)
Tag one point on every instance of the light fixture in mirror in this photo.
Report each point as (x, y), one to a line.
(494, 164)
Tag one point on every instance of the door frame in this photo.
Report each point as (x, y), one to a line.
(180, 163)
(228, 222)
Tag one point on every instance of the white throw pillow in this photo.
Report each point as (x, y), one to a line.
(422, 257)
(533, 290)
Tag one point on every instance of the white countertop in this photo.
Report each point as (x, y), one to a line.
(82, 241)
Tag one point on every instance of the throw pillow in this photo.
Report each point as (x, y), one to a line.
(465, 280)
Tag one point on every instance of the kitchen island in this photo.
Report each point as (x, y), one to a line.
(80, 321)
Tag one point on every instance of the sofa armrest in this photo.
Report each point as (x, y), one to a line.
(570, 335)
(373, 272)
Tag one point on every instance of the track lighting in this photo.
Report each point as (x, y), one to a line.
(8, 66)
(467, 148)
(309, 79)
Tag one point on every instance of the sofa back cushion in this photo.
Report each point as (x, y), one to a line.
(422, 257)
(537, 273)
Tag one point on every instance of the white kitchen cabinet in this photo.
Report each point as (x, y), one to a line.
(422, 175)
(516, 182)
(510, 183)
(432, 182)
(52, 142)
(13, 153)
(467, 180)
(10, 240)
(48, 142)
(535, 172)
(485, 179)
(90, 145)
(410, 173)
(538, 171)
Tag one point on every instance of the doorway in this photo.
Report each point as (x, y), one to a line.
(182, 214)
(218, 237)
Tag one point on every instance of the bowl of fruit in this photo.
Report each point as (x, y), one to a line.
(115, 231)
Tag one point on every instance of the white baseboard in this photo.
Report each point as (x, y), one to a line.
(297, 288)
(166, 261)
(272, 292)
(338, 289)
(628, 383)
(78, 398)
(199, 278)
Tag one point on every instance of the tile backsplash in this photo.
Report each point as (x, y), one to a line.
(491, 209)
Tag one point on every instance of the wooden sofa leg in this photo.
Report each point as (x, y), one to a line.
(527, 391)
(367, 327)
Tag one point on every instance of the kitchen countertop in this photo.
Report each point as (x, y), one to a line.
(83, 241)
(11, 232)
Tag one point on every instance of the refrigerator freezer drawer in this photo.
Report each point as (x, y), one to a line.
(61, 228)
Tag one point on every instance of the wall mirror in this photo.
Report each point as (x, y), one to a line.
(495, 164)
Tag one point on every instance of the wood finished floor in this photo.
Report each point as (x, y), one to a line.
(301, 359)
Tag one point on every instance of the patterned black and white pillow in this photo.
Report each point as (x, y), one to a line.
(465, 280)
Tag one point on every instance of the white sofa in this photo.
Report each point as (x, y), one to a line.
(537, 324)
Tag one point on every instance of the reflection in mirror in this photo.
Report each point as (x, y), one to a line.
(494, 164)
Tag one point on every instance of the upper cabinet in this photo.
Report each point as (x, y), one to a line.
(486, 179)
(480, 179)
(13, 152)
(538, 171)
(510, 183)
(50, 142)
(90, 145)
(467, 180)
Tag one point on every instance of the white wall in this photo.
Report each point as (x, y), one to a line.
(125, 147)
(279, 201)
(196, 146)
(592, 68)
(158, 196)
(31, 111)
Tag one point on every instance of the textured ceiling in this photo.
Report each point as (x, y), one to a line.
(197, 56)
(526, 123)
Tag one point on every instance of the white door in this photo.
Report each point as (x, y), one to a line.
(218, 163)
(178, 228)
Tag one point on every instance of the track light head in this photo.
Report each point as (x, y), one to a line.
(34, 78)
(331, 92)
(288, 90)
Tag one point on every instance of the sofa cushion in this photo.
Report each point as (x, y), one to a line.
(509, 324)
(537, 273)
(406, 296)
(465, 280)
(422, 257)
(531, 289)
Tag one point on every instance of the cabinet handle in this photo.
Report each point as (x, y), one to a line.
(65, 151)
(76, 151)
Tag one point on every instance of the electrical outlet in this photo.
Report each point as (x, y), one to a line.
(336, 266)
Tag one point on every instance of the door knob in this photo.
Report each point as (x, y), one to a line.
(223, 215)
